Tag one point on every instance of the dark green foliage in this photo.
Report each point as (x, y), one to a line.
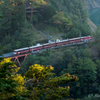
(77, 13)
(47, 12)
(16, 32)
(45, 85)
(96, 44)
(74, 61)
(44, 58)
(7, 86)
(13, 17)
(85, 69)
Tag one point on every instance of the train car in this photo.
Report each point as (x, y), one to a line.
(68, 41)
(63, 42)
(35, 48)
(49, 45)
(22, 50)
(86, 38)
(75, 40)
(52, 44)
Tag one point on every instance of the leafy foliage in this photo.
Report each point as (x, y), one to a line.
(38, 82)
(46, 87)
(68, 17)
(41, 83)
(60, 19)
(7, 85)
(77, 61)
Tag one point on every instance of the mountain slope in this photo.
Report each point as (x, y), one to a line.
(92, 25)
(92, 4)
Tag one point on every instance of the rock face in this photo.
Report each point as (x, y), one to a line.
(92, 4)
(93, 27)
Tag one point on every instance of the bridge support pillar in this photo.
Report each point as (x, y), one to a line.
(16, 58)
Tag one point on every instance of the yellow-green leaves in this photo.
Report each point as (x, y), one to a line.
(40, 82)
(38, 72)
(43, 82)
(21, 83)
(1, 2)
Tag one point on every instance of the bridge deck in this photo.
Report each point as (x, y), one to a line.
(60, 46)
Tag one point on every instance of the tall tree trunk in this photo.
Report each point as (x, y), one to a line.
(25, 9)
(31, 21)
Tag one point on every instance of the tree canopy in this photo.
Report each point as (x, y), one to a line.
(38, 82)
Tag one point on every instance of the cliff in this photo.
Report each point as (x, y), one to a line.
(92, 25)
(92, 4)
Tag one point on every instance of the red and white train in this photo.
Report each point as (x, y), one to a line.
(52, 44)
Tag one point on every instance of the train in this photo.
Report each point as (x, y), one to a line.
(52, 44)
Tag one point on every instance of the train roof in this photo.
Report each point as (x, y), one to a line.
(63, 40)
(38, 45)
(69, 39)
(46, 43)
(79, 38)
(21, 49)
(35, 46)
(75, 38)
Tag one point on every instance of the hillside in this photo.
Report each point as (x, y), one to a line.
(53, 19)
(92, 25)
(92, 4)
(56, 19)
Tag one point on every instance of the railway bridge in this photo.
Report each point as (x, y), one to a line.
(21, 57)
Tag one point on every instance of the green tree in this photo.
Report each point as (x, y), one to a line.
(35, 3)
(12, 16)
(85, 70)
(86, 53)
(47, 11)
(8, 85)
(97, 41)
(60, 19)
(43, 84)
(98, 73)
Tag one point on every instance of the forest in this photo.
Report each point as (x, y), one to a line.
(68, 73)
